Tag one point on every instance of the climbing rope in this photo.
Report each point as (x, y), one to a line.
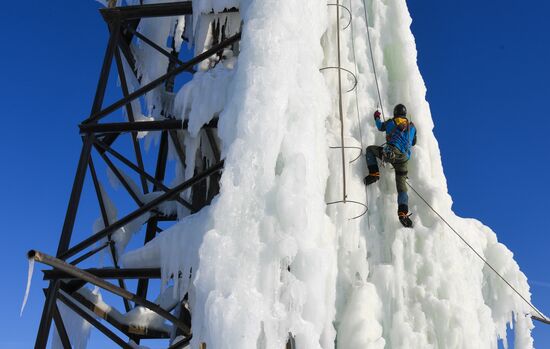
(380, 104)
(357, 105)
(356, 74)
(477, 253)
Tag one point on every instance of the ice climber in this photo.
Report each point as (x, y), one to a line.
(400, 137)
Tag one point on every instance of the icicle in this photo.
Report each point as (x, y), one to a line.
(29, 278)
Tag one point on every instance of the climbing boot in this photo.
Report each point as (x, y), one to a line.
(371, 178)
(404, 218)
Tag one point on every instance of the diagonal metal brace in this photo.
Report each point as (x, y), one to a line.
(150, 86)
(152, 179)
(81, 274)
(143, 209)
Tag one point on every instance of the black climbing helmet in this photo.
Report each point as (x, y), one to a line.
(400, 110)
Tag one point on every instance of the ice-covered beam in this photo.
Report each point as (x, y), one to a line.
(81, 274)
(108, 314)
(180, 344)
(69, 302)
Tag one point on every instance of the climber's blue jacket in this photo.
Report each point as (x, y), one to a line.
(400, 133)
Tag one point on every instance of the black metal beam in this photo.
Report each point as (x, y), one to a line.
(141, 126)
(109, 138)
(90, 253)
(148, 11)
(104, 148)
(123, 180)
(108, 273)
(105, 218)
(72, 286)
(124, 46)
(178, 147)
(130, 112)
(74, 199)
(47, 313)
(171, 57)
(61, 330)
(150, 86)
(119, 127)
(64, 241)
(69, 302)
(150, 231)
(106, 67)
(143, 209)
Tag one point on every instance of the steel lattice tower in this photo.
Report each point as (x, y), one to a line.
(99, 141)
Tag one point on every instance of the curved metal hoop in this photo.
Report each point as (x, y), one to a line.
(358, 156)
(348, 11)
(351, 202)
(349, 72)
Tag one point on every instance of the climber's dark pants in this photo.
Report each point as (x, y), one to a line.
(399, 163)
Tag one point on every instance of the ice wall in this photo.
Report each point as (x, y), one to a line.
(433, 292)
(269, 257)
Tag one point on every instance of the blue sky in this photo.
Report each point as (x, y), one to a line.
(484, 64)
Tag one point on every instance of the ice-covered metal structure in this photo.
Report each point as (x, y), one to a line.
(156, 200)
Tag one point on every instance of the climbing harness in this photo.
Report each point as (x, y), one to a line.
(388, 154)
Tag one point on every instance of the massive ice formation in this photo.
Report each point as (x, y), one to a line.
(268, 257)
